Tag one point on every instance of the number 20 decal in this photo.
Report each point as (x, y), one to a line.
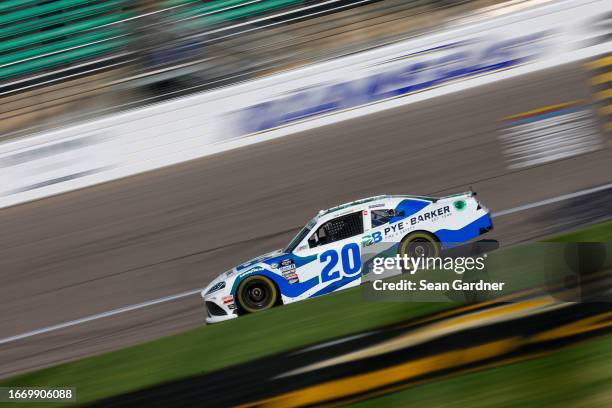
(350, 262)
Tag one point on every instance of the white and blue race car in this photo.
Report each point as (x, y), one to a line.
(333, 250)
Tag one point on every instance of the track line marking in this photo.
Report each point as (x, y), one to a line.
(552, 200)
(333, 342)
(99, 316)
(196, 291)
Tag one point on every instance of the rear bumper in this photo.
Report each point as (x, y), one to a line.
(451, 238)
(486, 228)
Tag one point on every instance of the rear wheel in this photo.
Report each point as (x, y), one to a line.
(257, 293)
(419, 244)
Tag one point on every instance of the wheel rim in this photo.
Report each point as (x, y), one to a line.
(419, 247)
(257, 294)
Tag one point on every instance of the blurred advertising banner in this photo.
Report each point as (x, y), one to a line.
(450, 60)
(39, 165)
(546, 35)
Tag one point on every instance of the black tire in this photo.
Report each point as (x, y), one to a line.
(419, 244)
(257, 293)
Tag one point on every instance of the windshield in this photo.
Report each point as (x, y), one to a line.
(300, 236)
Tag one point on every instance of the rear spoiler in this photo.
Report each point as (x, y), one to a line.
(470, 193)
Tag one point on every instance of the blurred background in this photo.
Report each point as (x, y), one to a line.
(99, 286)
(66, 61)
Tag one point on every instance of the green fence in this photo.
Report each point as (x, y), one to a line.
(38, 35)
(190, 14)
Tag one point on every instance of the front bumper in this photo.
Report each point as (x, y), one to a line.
(219, 308)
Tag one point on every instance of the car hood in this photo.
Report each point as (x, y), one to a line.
(261, 258)
(230, 275)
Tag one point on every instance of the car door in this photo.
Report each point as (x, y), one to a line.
(336, 243)
(380, 240)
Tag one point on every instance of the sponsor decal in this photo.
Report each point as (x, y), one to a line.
(229, 302)
(376, 205)
(395, 229)
(401, 227)
(250, 271)
(288, 270)
(371, 239)
(395, 77)
(460, 205)
(430, 215)
(247, 264)
(291, 277)
(46, 164)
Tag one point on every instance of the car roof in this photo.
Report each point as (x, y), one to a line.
(371, 199)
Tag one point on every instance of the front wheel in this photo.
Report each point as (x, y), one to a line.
(419, 244)
(257, 293)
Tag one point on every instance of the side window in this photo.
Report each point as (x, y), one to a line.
(337, 229)
(381, 217)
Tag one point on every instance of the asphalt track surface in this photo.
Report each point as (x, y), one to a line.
(175, 229)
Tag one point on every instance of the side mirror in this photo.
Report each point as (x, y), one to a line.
(312, 241)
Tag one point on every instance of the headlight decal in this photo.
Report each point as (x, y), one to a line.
(216, 287)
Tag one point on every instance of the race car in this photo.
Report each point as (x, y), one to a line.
(332, 250)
